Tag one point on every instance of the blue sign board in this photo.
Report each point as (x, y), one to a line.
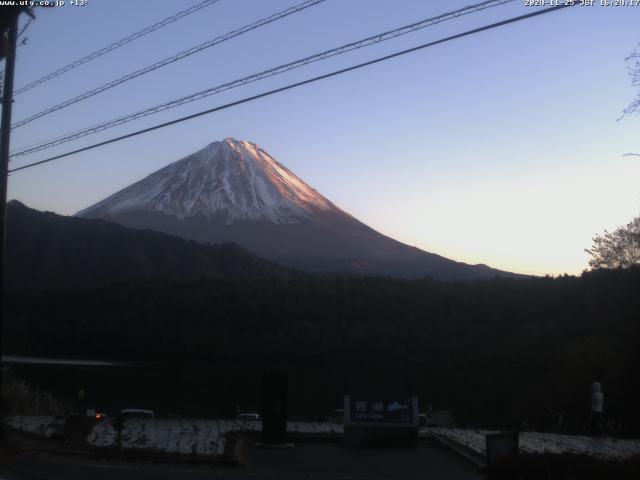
(397, 411)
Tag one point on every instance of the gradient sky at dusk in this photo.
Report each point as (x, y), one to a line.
(500, 148)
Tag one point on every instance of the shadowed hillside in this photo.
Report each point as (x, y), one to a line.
(46, 250)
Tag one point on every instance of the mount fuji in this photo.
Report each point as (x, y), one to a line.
(234, 191)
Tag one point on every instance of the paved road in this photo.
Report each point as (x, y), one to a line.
(305, 461)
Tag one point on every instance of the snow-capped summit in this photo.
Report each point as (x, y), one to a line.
(233, 179)
(234, 191)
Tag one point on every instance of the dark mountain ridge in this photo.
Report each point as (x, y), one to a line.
(46, 250)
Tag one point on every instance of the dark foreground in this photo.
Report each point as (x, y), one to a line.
(205, 345)
(305, 461)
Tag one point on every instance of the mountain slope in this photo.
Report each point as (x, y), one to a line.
(233, 191)
(46, 250)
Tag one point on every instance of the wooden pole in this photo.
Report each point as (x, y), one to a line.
(5, 135)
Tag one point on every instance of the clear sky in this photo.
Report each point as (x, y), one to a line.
(500, 148)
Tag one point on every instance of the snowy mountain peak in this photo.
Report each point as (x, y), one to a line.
(234, 179)
(234, 191)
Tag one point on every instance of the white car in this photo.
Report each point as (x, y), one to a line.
(129, 413)
(252, 417)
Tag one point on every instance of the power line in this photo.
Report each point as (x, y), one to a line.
(298, 84)
(118, 44)
(262, 75)
(179, 56)
(24, 28)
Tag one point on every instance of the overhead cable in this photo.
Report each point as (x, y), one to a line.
(297, 84)
(167, 61)
(262, 75)
(113, 46)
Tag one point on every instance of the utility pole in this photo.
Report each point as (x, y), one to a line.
(5, 135)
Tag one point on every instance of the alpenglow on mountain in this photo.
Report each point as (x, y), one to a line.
(234, 191)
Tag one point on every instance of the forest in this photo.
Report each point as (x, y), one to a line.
(501, 353)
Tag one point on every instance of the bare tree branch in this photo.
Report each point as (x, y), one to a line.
(634, 73)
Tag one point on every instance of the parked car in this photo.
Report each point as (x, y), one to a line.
(128, 413)
(422, 419)
(131, 413)
(251, 417)
(337, 416)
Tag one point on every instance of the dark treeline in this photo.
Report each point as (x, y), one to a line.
(50, 251)
(498, 353)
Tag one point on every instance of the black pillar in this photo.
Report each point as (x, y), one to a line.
(275, 387)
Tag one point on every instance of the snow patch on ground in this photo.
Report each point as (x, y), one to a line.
(554, 443)
(189, 437)
(44, 425)
(209, 437)
(196, 437)
(315, 428)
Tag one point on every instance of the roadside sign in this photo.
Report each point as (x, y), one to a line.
(397, 411)
(381, 411)
(378, 421)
